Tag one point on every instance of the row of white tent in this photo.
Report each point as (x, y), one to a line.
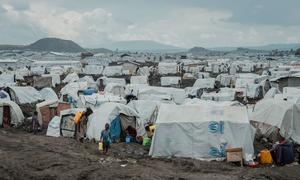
(198, 129)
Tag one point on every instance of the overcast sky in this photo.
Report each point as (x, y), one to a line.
(183, 23)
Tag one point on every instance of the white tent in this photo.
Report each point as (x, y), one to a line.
(144, 92)
(24, 94)
(95, 100)
(167, 68)
(55, 78)
(57, 70)
(205, 83)
(38, 70)
(170, 80)
(201, 131)
(281, 114)
(71, 78)
(7, 80)
(139, 80)
(72, 89)
(147, 110)
(143, 71)
(93, 69)
(16, 115)
(54, 127)
(107, 80)
(112, 71)
(48, 94)
(106, 113)
(115, 89)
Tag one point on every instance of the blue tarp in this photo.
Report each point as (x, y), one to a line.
(115, 129)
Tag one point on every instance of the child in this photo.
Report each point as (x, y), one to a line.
(105, 138)
(35, 122)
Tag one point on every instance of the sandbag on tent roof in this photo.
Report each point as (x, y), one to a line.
(16, 116)
(201, 131)
(24, 94)
(281, 114)
(106, 113)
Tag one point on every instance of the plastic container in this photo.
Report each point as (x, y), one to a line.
(265, 157)
(100, 146)
(128, 139)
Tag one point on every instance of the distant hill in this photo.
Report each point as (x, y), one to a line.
(100, 50)
(56, 45)
(204, 52)
(269, 47)
(47, 44)
(11, 47)
(142, 46)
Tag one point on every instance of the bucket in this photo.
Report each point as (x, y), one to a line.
(128, 139)
(146, 142)
(265, 157)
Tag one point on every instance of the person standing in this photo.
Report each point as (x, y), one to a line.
(105, 138)
(35, 122)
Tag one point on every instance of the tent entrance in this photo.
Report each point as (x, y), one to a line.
(121, 125)
(67, 126)
(5, 119)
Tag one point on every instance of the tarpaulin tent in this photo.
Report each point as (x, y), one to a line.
(10, 113)
(93, 69)
(147, 110)
(281, 114)
(48, 109)
(24, 94)
(170, 81)
(167, 68)
(208, 83)
(202, 131)
(96, 100)
(55, 78)
(112, 71)
(48, 94)
(107, 113)
(139, 80)
(71, 78)
(115, 89)
(54, 127)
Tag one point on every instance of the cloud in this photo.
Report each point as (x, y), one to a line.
(185, 26)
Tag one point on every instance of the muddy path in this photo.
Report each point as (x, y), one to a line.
(27, 156)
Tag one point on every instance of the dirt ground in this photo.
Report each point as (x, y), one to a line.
(27, 156)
